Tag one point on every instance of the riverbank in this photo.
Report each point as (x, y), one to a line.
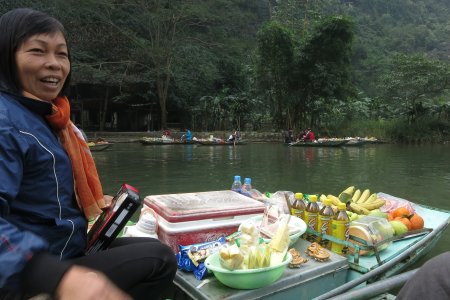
(250, 136)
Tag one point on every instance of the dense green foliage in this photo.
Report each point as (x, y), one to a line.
(339, 66)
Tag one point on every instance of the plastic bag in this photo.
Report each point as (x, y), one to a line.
(392, 203)
(282, 199)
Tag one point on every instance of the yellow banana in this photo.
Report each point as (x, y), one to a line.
(346, 195)
(364, 196)
(374, 204)
(322, 197)
(356, 195)
(334, 200)
(350, 190)
(371, 199)
(358, 209)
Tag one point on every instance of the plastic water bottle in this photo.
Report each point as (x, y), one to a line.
(237, 185)
(247, 185)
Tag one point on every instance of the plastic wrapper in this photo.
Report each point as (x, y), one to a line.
(249, 235)
(231, 257)
(272, 218)
(282, 199)
(191, 257)
(393, 203)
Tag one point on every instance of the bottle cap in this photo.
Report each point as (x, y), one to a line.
(327, 202)
(248, 180)
(342, 206)
(298, 195)
(313, 198)
(237, 178)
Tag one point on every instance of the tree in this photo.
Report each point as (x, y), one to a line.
(323, 68)
(276, 55)
(413, 81)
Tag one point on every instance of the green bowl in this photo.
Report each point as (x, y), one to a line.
(246, 279)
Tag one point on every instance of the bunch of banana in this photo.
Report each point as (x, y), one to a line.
(361, 202)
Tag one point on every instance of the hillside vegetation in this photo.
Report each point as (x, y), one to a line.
(342, 67)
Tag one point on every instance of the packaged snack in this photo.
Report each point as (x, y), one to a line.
(191, 257)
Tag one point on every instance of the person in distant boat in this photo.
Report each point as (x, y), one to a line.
(431, 281)
(309, 136)
(50, 188)
(188, 136)
(234, 137)
(166, 134)
(289, 136)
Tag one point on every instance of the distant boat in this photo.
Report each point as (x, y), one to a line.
(99, 147)
(357, 141)
(320, 143)
(163, 141)
(220, 143)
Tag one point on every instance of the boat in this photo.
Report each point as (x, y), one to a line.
(350, 276)
(319, 143)
(354, 142)
(358, 141)
(220, 142)
(164, 141)
(99, 146)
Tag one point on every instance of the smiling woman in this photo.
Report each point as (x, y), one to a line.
(50, 187)
(43, 65)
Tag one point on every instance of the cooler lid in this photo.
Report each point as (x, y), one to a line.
(203, 205)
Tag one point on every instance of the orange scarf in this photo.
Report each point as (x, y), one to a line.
(88, 189)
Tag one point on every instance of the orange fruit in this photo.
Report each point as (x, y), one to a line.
(404, 221)
(390, 216)
(416, 222)
(401, 212)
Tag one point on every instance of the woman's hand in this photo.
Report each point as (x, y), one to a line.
(84, 283)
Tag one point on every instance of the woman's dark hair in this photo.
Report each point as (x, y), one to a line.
(16, 27)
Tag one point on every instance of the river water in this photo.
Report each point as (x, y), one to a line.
(420, 174)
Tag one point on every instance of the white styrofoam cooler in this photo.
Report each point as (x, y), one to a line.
(189, 218)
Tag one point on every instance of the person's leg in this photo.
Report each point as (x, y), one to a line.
(143, 267)
(431, 281)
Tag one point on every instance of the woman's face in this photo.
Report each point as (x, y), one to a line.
(43, 65)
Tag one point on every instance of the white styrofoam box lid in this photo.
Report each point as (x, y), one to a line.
(187, 207)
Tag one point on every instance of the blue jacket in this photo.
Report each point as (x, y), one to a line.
(38, 213)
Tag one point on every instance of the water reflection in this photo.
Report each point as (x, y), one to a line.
(416, 173)
(420, 174)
